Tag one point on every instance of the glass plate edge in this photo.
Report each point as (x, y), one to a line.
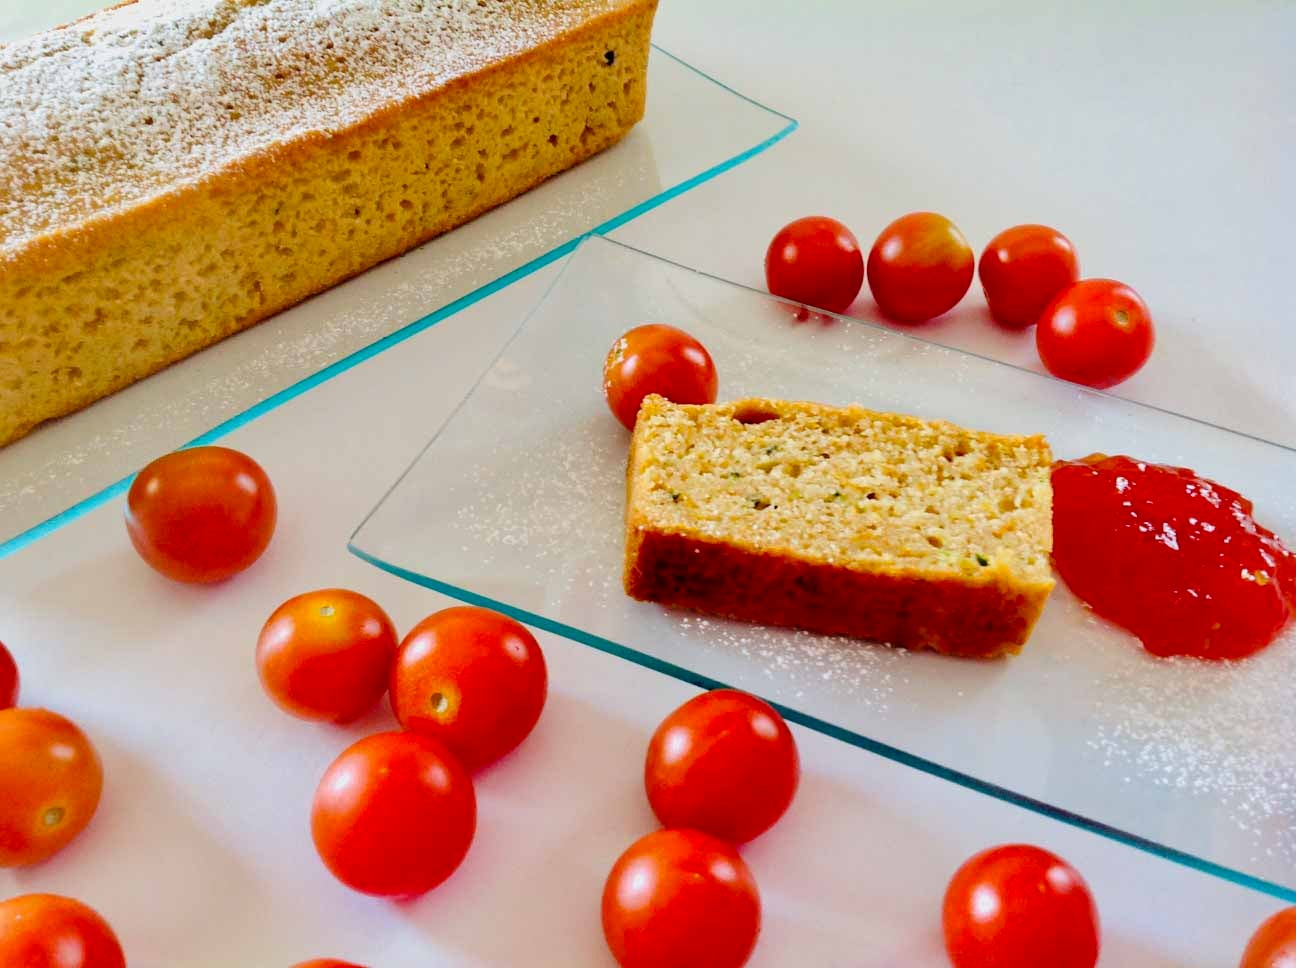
(857, 740)
(56, 521)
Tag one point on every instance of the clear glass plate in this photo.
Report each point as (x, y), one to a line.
(693, 129)
(517, 504)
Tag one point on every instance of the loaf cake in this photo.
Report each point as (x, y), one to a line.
(842, 521)
(172, 171)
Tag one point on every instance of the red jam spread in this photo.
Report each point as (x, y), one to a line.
(1173, 557)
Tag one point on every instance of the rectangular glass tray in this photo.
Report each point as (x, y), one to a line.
(45, 478)
(517, 504)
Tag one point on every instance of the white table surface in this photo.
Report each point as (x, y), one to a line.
(1160, 142)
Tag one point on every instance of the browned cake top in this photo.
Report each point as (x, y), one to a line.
(138, 99)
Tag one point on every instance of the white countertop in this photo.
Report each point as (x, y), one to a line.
(1159, 142)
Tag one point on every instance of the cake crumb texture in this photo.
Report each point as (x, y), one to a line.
(841, 520)
(172, 171)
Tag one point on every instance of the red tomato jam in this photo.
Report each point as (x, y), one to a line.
(1172, 557)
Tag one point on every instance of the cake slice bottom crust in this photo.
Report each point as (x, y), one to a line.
(951, 617)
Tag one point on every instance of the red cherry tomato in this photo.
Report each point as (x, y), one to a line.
(656, 359)
(816, 261)
(919, 267)
(1097, 332)
(724, 763)
(8, 679)
(326, 963)
(201, 515)
(1023, 269)
(473, 679)
(681, 898)
(49, 931)
(1274, 943)
(326, 655)
(50, 782)
(1018, 906)
(394, 815)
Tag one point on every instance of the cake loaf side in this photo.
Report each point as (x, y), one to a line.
(841, 521)
(173, 173)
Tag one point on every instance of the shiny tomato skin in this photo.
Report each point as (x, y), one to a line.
(1023, 269)
(1274, 943)
(394, 815)
(724, 763)
(681, 898)
(326, 655)
(51, 779)
(815, 261)
(50, 931)
(9, 679)
(919, 267)
(656, 358)
(471, 678)
(1097, 332)
(201, 515)
(1019, 906)
(326, 963)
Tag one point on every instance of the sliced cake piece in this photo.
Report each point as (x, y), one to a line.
(841, 520)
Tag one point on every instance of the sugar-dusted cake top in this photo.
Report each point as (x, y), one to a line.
(137, 99)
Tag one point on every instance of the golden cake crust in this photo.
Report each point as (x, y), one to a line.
(842, 521)
(98, 292)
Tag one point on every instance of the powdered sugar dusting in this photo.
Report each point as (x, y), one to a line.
(1216, 731)
(139, 100)
(537, 500)
(804, 664)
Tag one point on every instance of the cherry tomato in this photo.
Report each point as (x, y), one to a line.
(473, 679)
(919, 267)
(1274, 943)
(724, 763)
(201, 515)
(49, 931)
(325, 963)
(50, 782)
(326, 655)
(394, 815)
(8, 679)
(816, 261)
(1097, 332)
(1023, 269)
(681, 898)
(1018, 906)
(656, 359)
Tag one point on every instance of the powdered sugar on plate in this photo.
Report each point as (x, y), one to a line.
(1220, 731)
(802, 662)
